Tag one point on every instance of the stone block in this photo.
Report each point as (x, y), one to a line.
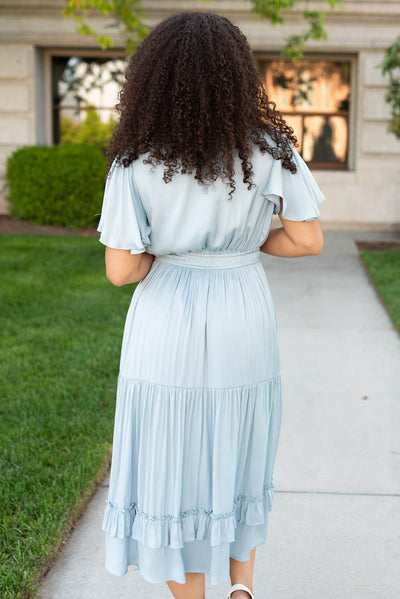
(15, 130)
(376, 140)
(372, 74)
(15, 61)
(14, 95)
(374, 106)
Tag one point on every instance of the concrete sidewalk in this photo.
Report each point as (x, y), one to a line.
(334, 531)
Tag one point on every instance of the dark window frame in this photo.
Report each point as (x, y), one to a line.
(349, 115)
(52, 110)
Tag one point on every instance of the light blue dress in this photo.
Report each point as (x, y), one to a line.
(199, 402)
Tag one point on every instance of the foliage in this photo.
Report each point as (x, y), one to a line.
(127, 18)
(384, 268)
(57, 185)
(92, 131)
(295, 44)
(57, 394)
(391, 66)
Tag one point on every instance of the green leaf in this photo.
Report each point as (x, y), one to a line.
(391, 66)
(295, 44)
(271, 9)
(128, 17)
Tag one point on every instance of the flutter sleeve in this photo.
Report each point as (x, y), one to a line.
(299, 191)
(123, 223)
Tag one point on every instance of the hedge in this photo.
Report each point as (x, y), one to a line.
(57, 185)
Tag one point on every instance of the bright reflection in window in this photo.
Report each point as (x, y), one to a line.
(313, 96)
(85, 91)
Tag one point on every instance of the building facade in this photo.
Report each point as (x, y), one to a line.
(334, 98)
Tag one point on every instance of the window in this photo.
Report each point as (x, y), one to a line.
(84, 92)
(313, 96)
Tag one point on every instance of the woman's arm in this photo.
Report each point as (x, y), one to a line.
(294, 238)
(122, 267)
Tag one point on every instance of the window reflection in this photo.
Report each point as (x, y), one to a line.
(84, 93)
(314, 97)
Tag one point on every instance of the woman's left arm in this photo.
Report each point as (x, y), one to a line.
(122, 267)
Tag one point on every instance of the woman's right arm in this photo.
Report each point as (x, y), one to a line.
(294, 238)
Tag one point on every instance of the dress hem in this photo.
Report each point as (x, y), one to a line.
(197, 571)
(197, 524)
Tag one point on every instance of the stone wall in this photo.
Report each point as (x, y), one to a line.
(367, 195)
(17, 114)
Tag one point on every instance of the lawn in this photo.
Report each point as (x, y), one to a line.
(384, 268)
(61, 326)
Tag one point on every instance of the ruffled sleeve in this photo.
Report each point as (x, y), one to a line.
(299, 191)
(123, 224)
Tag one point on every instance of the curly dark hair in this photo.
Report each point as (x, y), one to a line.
(192, 96)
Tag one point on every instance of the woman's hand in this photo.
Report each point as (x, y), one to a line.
(294, 238)
(123, 268)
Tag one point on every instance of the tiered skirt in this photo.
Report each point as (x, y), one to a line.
(197, 419)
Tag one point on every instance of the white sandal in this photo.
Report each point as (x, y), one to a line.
(239, 587)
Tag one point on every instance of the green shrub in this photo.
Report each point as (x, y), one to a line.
(57, 185)
(91, 131)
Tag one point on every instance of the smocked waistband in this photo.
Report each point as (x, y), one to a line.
(214, 259)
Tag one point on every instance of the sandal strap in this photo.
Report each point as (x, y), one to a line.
(239, 587)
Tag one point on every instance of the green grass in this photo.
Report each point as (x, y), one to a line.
(61, 325)
(384, 268)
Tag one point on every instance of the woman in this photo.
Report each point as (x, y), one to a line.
(197, 165)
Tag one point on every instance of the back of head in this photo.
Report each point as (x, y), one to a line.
(192, 97)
